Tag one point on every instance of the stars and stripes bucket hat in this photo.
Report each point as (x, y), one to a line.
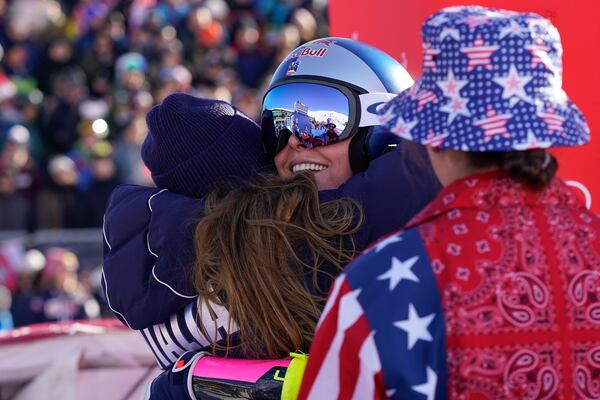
(491, 81)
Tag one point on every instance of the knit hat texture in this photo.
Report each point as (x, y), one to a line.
(195, 145)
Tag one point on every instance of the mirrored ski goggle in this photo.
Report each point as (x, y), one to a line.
(318, 114)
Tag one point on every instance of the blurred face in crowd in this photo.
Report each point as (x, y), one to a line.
(28, 109)
(116, 27)
(100, 85)
(16, 58)
(171, 57)
(140, 39)
(60, 271)
(134, 80)
(7, 184)
(16, 155)
(69, 88)
(136, 131)
(306, 23)
(247, 37)
(65, 178)
(199, 18)
(17, 30)
(289, 38)
(65, 280)
(103, 168)
(103, 47)
(63, 171)
(60, 51)
(330, 164)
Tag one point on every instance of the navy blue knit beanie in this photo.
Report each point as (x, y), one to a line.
(195, 145)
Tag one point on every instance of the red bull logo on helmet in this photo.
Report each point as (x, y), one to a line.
(308, 52)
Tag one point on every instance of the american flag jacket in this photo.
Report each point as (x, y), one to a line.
(492, 292)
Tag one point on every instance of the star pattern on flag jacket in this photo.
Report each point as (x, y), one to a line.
(490, 293)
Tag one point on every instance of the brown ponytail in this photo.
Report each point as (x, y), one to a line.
(247, 261)
(534, 168)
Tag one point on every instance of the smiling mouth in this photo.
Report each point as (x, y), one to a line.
(308, 167)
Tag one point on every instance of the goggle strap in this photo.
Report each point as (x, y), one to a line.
(369, 104)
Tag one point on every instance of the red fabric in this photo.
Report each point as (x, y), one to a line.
(350, 362)
(335, 362)
(519, 277)
(321, 343)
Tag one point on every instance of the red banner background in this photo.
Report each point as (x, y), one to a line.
(394, 26)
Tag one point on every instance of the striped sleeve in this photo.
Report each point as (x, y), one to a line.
(344, 362)
(181, 333)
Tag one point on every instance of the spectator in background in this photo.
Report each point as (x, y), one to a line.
(19, 181)
(14, 208)
(92, 129)
(58, 56)
(56, 198)
(26, 113)
(61, 108)
(97, 61)
(16, 61)
(90, 202)
(58, 295)
(91, 281)
(27, 304)
(253, 61)
(130, 75)
(127, 153)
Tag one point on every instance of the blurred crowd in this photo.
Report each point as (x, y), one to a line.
(47, 286)
(77, 78)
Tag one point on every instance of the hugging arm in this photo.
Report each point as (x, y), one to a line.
(394, 188)
(148, 254)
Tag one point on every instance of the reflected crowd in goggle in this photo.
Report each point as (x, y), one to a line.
(316, 114)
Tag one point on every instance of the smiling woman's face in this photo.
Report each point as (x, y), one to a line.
(331, 163)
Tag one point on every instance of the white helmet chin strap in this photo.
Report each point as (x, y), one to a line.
(370, 103)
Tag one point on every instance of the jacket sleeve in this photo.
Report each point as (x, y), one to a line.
(148, 254)
(394, 188)
(182, 332)
(363, 348)
(343, 361)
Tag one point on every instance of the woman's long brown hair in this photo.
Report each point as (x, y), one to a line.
(247, 259)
